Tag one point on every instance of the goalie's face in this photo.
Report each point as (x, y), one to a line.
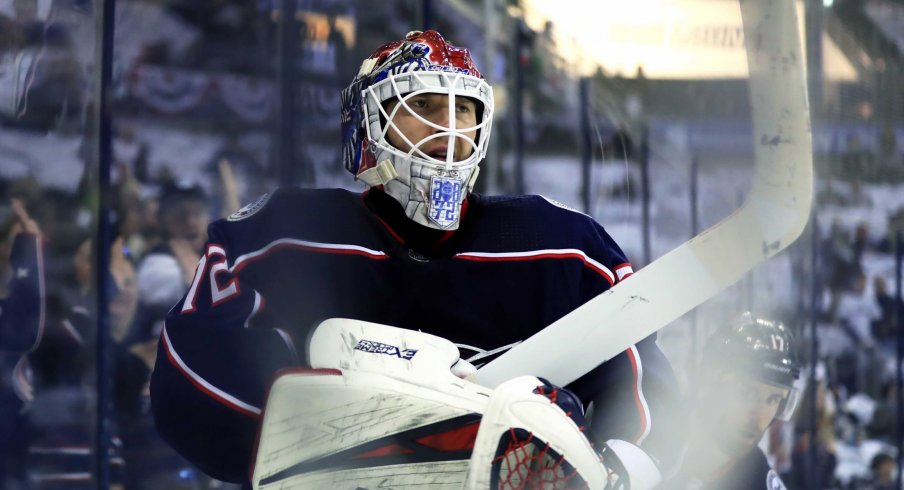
(426, 120)
(738, 410)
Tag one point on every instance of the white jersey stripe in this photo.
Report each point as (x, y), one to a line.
(602, 269)
(202, 383)
(290, 344)
(189, 304)
(254, 309)
(315, 246)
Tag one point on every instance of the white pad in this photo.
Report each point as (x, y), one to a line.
(309, 417)
(354, 345)
(374, 382)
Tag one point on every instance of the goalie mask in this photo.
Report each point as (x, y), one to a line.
(425, 83)
(759, 349)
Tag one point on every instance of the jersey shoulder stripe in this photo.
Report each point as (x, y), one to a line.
(320, 220)
(290, 243)
(538, 255)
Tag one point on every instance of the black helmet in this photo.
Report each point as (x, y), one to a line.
(762, 349)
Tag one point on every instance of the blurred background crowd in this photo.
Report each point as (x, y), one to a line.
(637, 115)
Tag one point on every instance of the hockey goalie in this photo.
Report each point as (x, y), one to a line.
(417, 250)
(389, 408)
(526, 284)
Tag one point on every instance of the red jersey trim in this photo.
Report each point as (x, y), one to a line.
(639, 398)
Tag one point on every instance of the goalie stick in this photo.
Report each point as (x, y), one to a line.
(772, 217)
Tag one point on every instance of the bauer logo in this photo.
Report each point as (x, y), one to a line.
(381, 348)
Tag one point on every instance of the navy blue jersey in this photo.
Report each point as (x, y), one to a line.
(280, 266)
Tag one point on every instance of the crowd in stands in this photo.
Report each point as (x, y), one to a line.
(854, 413)
(159, 230)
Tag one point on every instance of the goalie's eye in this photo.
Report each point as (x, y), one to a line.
(465, 106)
(419, 103)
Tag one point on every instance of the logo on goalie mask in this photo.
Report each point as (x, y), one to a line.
(445, 194)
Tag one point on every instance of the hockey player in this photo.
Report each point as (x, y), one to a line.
(417, 250)
(747, 381)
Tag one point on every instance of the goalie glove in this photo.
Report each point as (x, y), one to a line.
(534, 435)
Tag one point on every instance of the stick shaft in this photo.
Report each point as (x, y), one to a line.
(773, 216)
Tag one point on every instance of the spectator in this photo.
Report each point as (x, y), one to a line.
(61, 421)
(166, 271)
(883, 425)
(861, 243)
(882, 473)
(22, 309)
(838, 253)
(895, 224)
(857, 310)
(163, 275)
(884, 327)
(822, 474)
